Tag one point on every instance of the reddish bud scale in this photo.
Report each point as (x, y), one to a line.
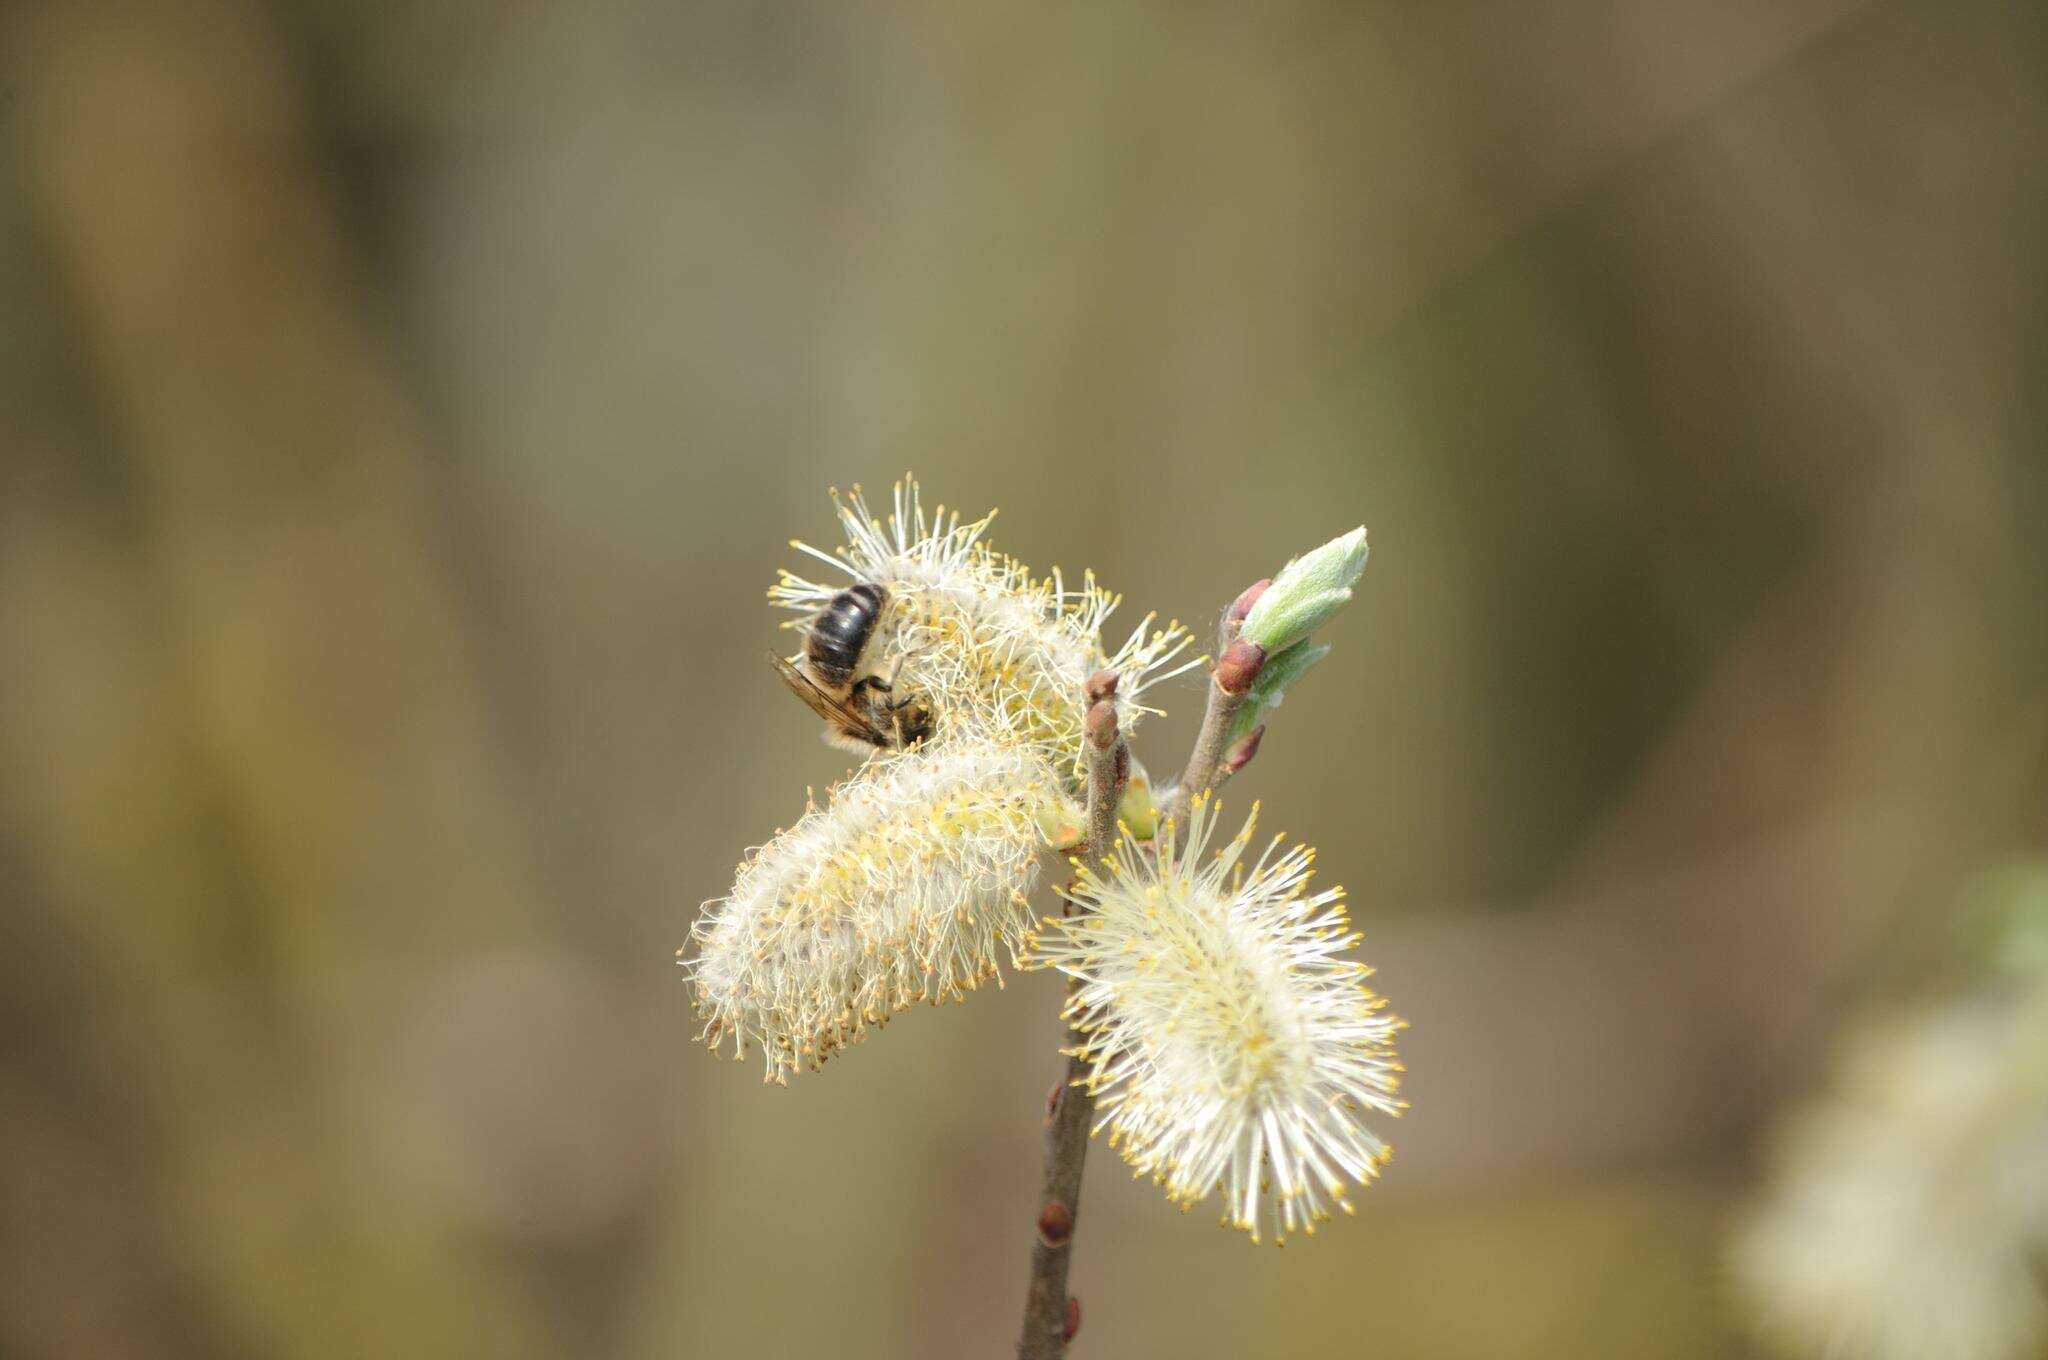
(1101, 725)
(1056, 1225)
(1234, 617)
(1073, 1322)
(1239, 666)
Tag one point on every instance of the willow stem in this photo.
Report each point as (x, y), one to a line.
(1050, 1316)
(1213, 759)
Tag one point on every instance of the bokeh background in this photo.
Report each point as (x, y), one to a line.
(403, 406)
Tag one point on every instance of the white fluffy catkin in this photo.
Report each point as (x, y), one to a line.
(904, 887)
(1909, 1216)
(985, 645)
(1232, 1049)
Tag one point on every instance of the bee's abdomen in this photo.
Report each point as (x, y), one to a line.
(841, 630)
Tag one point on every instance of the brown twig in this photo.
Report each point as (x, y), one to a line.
(1050, 1317)
(1215, 758)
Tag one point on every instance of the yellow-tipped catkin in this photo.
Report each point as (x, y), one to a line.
(1232, 1049)
(904, 887)
(968, 630)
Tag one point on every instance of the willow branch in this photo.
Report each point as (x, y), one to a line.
(1050, 1316)
(1215, 757)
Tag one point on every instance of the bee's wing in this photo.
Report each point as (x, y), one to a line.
(841, 715)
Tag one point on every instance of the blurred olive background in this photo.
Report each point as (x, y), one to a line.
(403, 406)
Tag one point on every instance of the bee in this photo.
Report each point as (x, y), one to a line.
(862, 712)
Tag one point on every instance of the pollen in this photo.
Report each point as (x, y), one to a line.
(983, 643)
(903, 887)
(1232, 1048)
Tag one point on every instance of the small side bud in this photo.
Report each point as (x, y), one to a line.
(1233, 617)
(1241, 752)
(1239, 666)
(1101, 726)
(1279, 672)
(1306, 593)
(1056, 1225)
(1100, 686)
(1072, 1326)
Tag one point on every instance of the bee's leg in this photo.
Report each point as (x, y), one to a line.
(915, 730)
(895, 705)
(895, 674)
(876, 682)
